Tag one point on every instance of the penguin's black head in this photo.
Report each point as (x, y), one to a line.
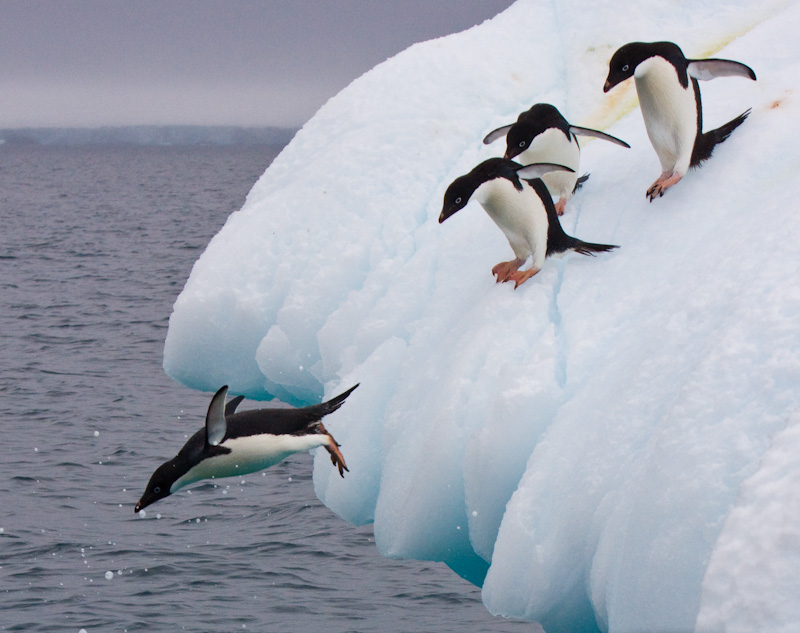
(518, 139)
(461, 189)
(159, 485)
(457, 195)
(531, 123)
(624, 62)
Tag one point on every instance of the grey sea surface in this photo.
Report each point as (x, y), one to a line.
(95, 245)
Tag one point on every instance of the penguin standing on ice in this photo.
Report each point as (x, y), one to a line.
(517, 201)
(234, 444)
(669, 96)
(542, 135)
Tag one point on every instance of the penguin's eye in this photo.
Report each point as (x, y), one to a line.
(522, 143)
(458, 200)
(157, 489)
(625, 68)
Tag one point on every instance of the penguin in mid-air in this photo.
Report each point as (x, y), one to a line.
(542, 135)
(518, 201)
(234, 444)
(669, 96)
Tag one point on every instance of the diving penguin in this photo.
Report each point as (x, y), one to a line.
(542, 135)
(669, 95)
(240, 443)
(517, 201)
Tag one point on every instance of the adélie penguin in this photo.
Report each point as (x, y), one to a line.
(542, 135)
(517, 201)
(234, 444)
(669, 96)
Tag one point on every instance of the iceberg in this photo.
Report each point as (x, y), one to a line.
(612, 446)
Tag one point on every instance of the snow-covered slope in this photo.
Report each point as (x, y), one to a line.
(613, 445)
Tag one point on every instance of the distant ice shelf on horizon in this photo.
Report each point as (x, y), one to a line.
(159, 135)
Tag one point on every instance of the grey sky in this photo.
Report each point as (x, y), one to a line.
(237, 62)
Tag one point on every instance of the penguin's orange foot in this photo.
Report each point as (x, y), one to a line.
(337, 459)
(504, 270)
(561, 206)
(521, 276)
(664, 182)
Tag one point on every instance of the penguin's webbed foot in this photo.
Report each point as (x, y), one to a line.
(504, 270)
(337, 459)
(561, 206)
(664, 182)
(521, 276)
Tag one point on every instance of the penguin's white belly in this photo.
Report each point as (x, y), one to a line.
(552, 146)
(248, 455)
(520, 215)
(669, 111)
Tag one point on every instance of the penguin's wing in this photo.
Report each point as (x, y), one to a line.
(216, 426)
(230, 408)
(500, 132)
(537, 170)
(705, 69)
(585, 131)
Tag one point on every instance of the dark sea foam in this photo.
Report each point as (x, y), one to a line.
(96, 243)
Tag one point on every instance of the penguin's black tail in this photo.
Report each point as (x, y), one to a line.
(580, 181)
(334, 403)
(587, 248)
(706, 142)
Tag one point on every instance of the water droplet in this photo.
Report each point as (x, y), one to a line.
(109, 575)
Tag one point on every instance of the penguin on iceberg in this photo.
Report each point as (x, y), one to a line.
(541, 134)
(517, 200)
(669, 96)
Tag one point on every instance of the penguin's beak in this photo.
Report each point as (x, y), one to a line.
(447, 212)
(608, 86)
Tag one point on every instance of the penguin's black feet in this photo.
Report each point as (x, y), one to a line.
(504, 270)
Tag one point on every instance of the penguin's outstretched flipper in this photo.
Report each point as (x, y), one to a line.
(707, 69)
(585, 131)
(230, 408)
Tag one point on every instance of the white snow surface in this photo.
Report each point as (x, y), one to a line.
(615, 445)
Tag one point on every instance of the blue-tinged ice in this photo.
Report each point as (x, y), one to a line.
(615, 445)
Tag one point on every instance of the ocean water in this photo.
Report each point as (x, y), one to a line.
(95, 245)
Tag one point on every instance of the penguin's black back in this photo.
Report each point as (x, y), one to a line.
(541, 117)
(286, 421)
(273, 421)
